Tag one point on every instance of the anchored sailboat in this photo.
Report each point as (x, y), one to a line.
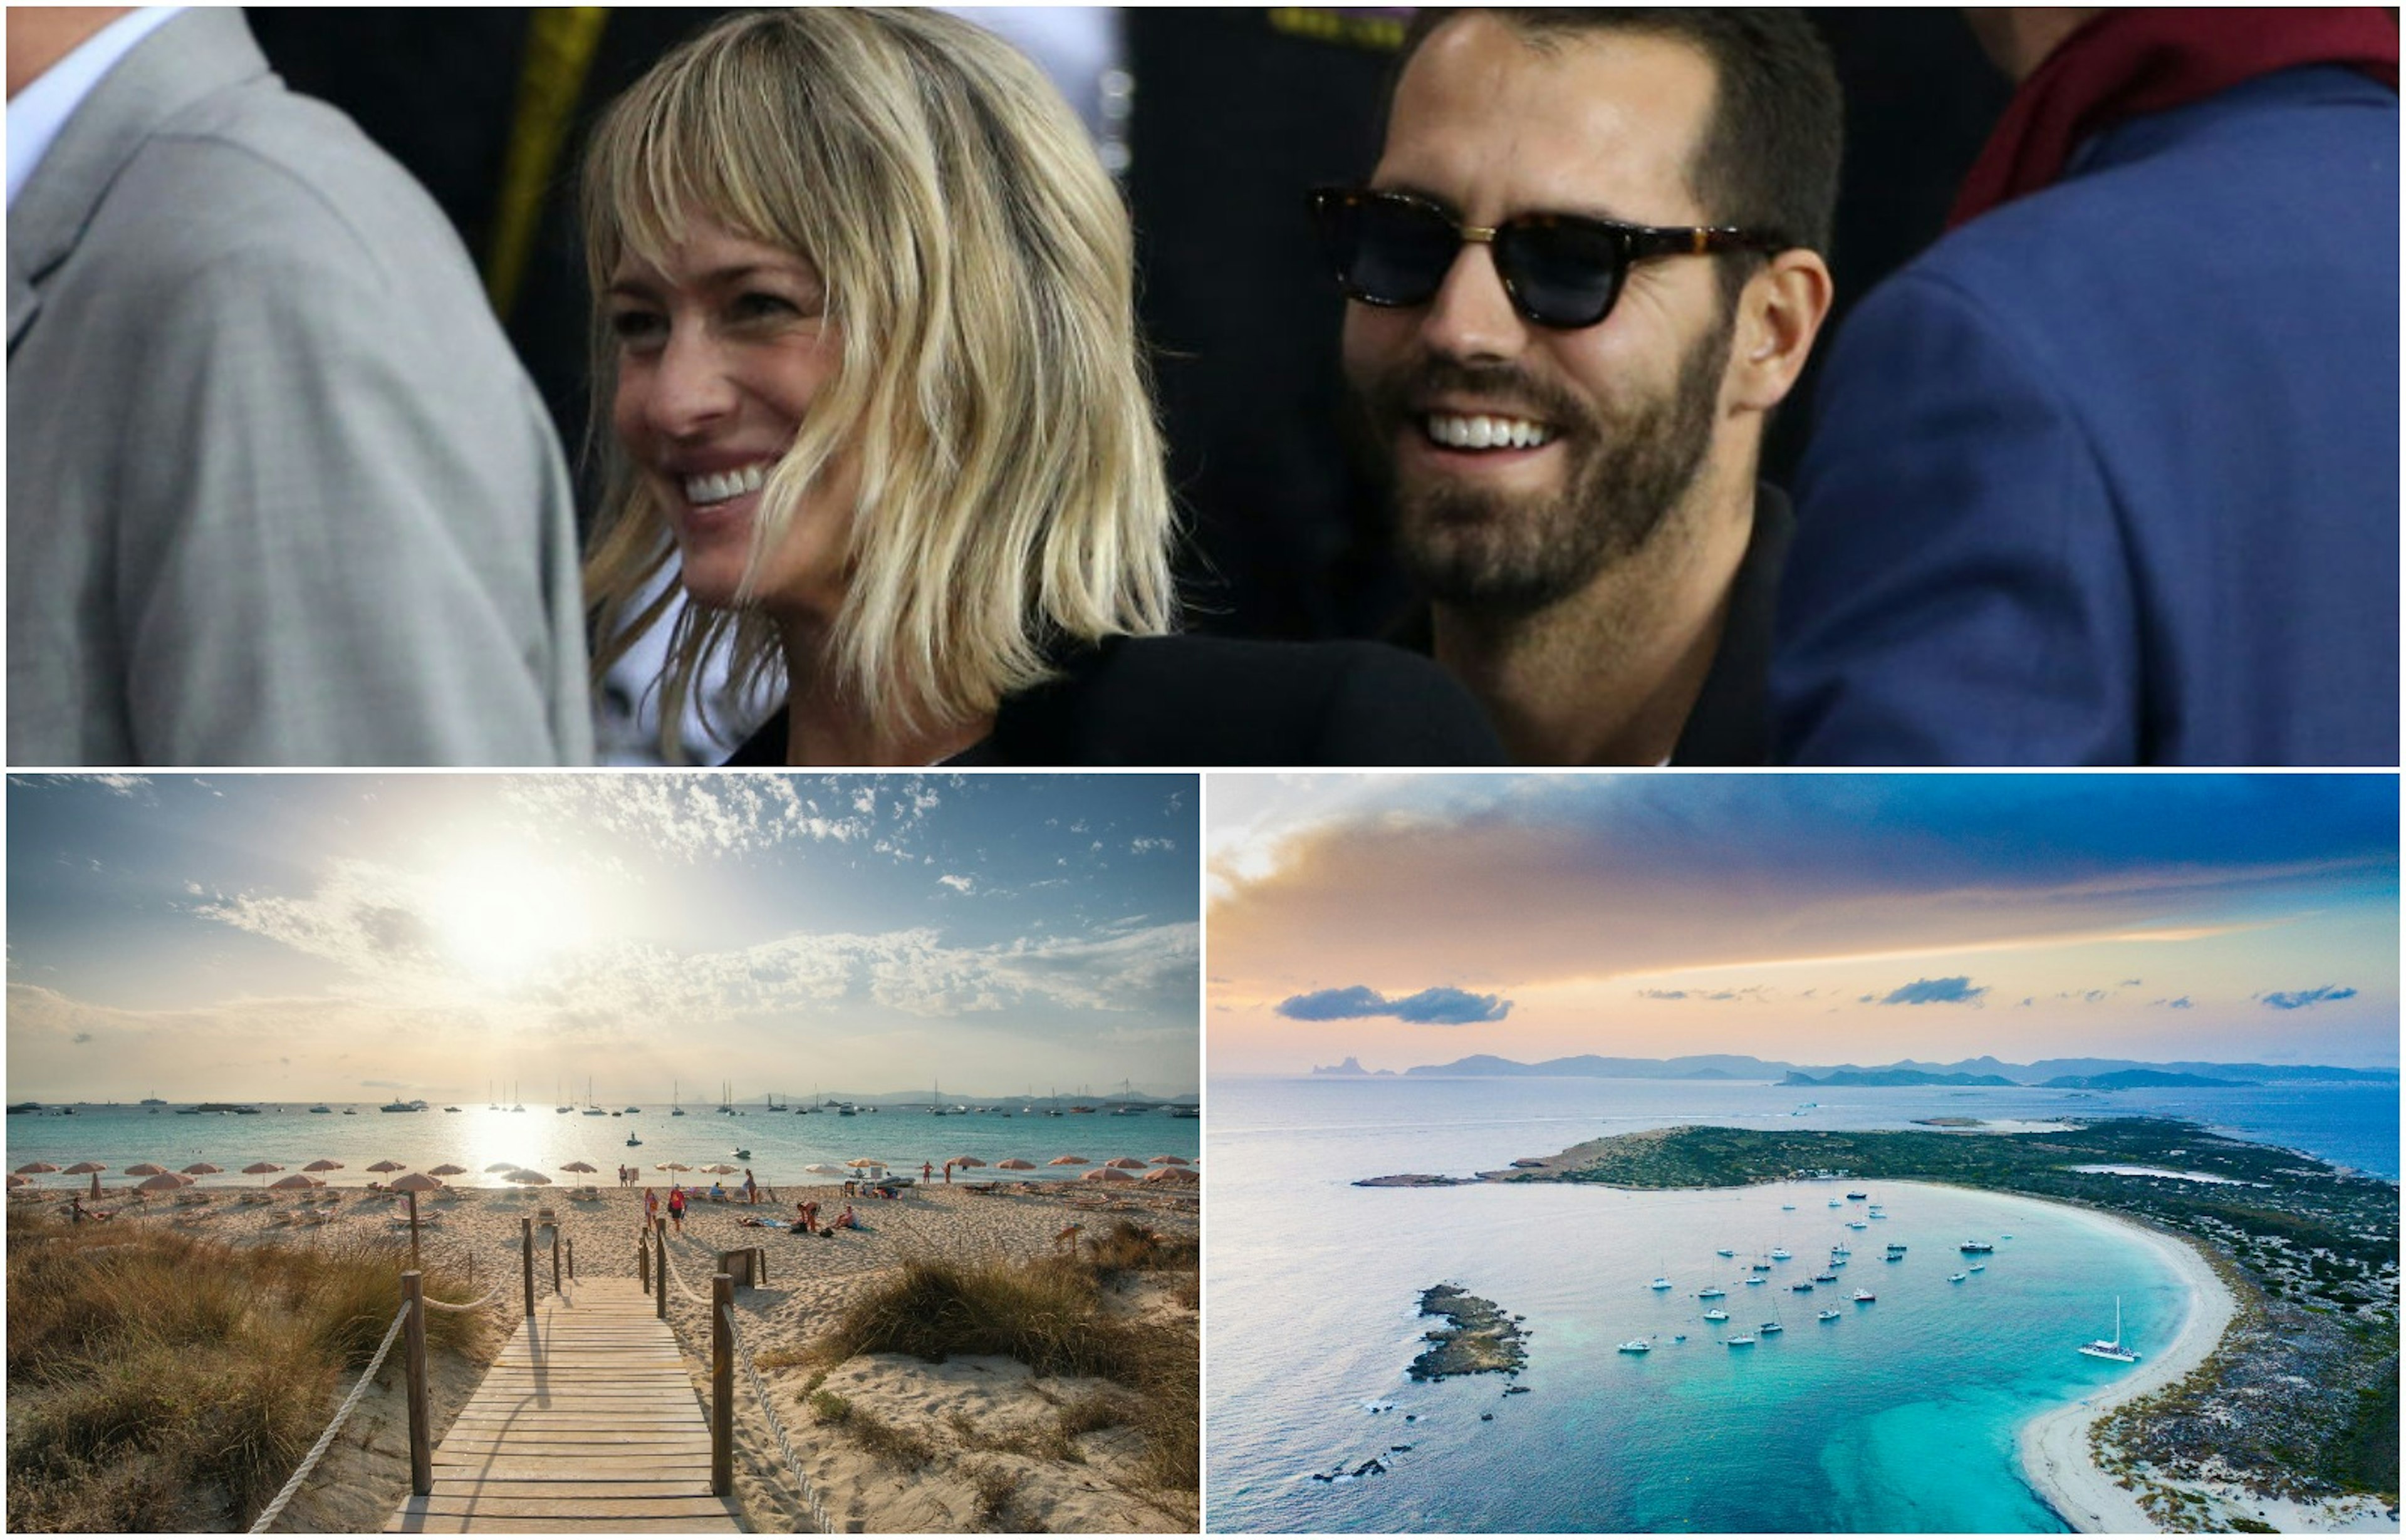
(2112, 1349)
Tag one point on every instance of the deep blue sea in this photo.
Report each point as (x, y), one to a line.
(1899, 1415)
(782, 1143)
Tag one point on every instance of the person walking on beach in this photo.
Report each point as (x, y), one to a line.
(927, 1171)
(676, 1208)
(751, 1188)
(651, 1208)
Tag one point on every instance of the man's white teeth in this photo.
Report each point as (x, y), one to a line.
(718, 486)
(1487, 432)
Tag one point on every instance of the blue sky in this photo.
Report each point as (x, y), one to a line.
(278, 936)
(1813, 918)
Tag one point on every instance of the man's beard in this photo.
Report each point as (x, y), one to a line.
(1497, 554)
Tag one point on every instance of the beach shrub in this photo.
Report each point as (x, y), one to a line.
(995, 1485)
(1047, 1313)
(160, 1381)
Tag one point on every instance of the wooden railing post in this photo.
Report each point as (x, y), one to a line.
(421, 1444)
(525, 1257)
(572, 1259)
(761, 1276)
(722, 1387)
(555, 1259)
(643, 1264)
(660, 1267)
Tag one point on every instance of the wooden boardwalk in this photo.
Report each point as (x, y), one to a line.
(587, 1421)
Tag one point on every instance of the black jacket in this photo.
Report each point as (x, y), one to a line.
(1197, 700)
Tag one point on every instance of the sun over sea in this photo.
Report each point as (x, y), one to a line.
(1900, 1415)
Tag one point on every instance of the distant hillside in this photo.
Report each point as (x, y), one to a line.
(2077, 1074)
(2126, 1080)
(1894, 1076)
(1351, 1066)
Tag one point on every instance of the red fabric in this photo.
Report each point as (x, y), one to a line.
(2126, 64)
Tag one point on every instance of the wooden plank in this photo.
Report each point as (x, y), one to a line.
(587, 1421)
(639, 1507)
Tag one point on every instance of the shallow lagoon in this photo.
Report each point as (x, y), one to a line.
(1899, 1415)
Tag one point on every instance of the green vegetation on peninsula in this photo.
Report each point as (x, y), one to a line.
(2298, 1400)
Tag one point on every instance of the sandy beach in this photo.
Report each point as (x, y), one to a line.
(965, 1413)
(2055, 1448)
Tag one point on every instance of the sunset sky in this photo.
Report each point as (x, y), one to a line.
(1815, 919)
(281, 938)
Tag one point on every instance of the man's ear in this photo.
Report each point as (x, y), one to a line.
(1779, 313)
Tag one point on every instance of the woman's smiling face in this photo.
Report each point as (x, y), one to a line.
(722, 350)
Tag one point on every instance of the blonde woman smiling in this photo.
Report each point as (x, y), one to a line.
(867, 328)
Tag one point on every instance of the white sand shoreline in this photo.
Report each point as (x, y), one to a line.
(2055, 1447)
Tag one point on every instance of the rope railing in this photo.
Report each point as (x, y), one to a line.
(309, 1462)
(784, 1444)
(674, 1276)
(477, 1303)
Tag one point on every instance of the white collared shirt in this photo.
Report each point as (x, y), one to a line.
(39, 112)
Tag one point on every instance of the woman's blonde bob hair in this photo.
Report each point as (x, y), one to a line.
(979, 270)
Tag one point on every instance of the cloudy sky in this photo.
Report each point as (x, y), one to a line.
(1819, 919)
(283, 938)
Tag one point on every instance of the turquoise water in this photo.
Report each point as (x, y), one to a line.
(1899, 1415)
(782, 1143)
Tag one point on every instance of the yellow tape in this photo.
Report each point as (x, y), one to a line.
(561, 45)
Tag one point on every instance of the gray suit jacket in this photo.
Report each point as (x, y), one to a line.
(278, 491)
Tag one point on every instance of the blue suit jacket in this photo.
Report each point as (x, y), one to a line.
(2109, 476)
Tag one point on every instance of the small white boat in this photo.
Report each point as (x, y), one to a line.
(1754, 1283)
(1659, 1283)
(1770, 1328)
(1725, 1252)
(1716, 1291)
(1864, 1296)
(1781, 1253)
(1716, 1315)
(1957, 1277)
(1978, 1267)
(1827, 1315)
(2112, 1348)
(1741, 1341)
(1637, 1345)
(1788, 1208)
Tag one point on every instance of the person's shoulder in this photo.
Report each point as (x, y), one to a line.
(1218, 700)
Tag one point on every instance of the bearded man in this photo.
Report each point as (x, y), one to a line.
(1583, 273)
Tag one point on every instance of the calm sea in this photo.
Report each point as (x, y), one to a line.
(780, 1143)
(1899, 1416)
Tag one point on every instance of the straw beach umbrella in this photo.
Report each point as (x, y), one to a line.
(323, 1165)
(17, 1180)
(262, 1168)
(529, 1178)
(1169, 1160)
(165, 1181)
(83, 1167)
(412, 1184)
(144, 1169)
(1125, 1163)
(1069, 1160)
(202, 1168)
(384, 1165)
(580, 1165)
(296, 1183)
(447, 1170)
(1171, 1176)
(1014, 1164)
(1105, 1173)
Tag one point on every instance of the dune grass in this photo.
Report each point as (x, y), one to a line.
(1053, 1314)
(158, 1380)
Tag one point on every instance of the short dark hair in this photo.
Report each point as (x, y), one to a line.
(1769, 156)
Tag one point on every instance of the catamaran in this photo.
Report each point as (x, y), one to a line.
(2112, 1349)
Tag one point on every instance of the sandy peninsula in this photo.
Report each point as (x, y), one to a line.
(2054, 1446)
(968, 1422)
